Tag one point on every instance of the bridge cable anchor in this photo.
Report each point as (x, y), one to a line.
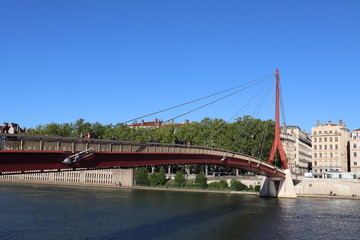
(78, 156)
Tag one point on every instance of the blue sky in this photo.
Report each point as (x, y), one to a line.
(111, 61)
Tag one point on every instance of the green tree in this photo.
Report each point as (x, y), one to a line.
(142, 177)
(179, 180)
(201, 180)
(159, 178)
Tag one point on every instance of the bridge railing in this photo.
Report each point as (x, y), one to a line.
(20, 142)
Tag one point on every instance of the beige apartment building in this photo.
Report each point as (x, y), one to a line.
(303, 149)
(329, 145)
(354, 146)
(288, 141)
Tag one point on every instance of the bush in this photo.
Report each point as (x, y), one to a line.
(179, 180)
(201, 180)
(223, 184)
(159, 178)
(237, 185)
(214, 185)
(142, 177)
(257, 188)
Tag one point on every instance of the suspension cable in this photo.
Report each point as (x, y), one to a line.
(192, 101)
(77, 157)
(247, 103)
(243, 129)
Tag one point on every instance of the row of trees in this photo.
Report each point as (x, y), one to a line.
(246, 134)
(143, 178)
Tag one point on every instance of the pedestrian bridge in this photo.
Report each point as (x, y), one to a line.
(26, 153)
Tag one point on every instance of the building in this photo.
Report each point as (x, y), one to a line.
(354, 146)
(154, 124)
(329, 147)
(302, 151)
(288, 141)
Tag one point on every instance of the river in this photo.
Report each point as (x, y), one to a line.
(63, 212)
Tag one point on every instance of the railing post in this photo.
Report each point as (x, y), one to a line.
(21, 144)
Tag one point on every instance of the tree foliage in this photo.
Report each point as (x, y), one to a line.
(246, 134)
(158, 178)
(179, 180)
(201, 180)
(142, 177)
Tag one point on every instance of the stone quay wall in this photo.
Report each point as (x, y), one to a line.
(117, 177)
(320, 186)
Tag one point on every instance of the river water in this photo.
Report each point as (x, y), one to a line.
(60, 212)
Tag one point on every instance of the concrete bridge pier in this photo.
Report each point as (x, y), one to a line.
(278, 187)
(123, 176)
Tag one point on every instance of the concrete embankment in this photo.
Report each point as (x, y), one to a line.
(319, 187)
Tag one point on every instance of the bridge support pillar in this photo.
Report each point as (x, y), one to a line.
(275, 187)
(123, 176)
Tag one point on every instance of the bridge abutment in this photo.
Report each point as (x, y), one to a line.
(277, 187)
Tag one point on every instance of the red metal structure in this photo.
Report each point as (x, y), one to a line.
(277, 145)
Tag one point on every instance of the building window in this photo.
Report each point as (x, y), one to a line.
(314, 132)
(320, 155)
(354, 145)
(355, 154)
(319, 132)
(314, 139)
(336, 132)
(315, 155)
(336, 139)
(330, 139)
(330, 131)
(315, 163)
(355, 163)
(320, 139)
(325, 147)
(336, 147)
(330, 147)
(315, 147)
(331, 156)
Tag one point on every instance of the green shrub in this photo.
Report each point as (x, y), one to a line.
(159, 178)
(223, 184)
(142, 177)
(214, 185)
(201, 180)
(179, 180)
(236, 185)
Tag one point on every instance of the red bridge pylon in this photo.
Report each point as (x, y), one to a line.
(277, 145)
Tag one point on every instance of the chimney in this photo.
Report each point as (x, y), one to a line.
(186, 121)
(317, 123)
(142, 122)
(156, 121)
(341, 123)
(135, 122)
